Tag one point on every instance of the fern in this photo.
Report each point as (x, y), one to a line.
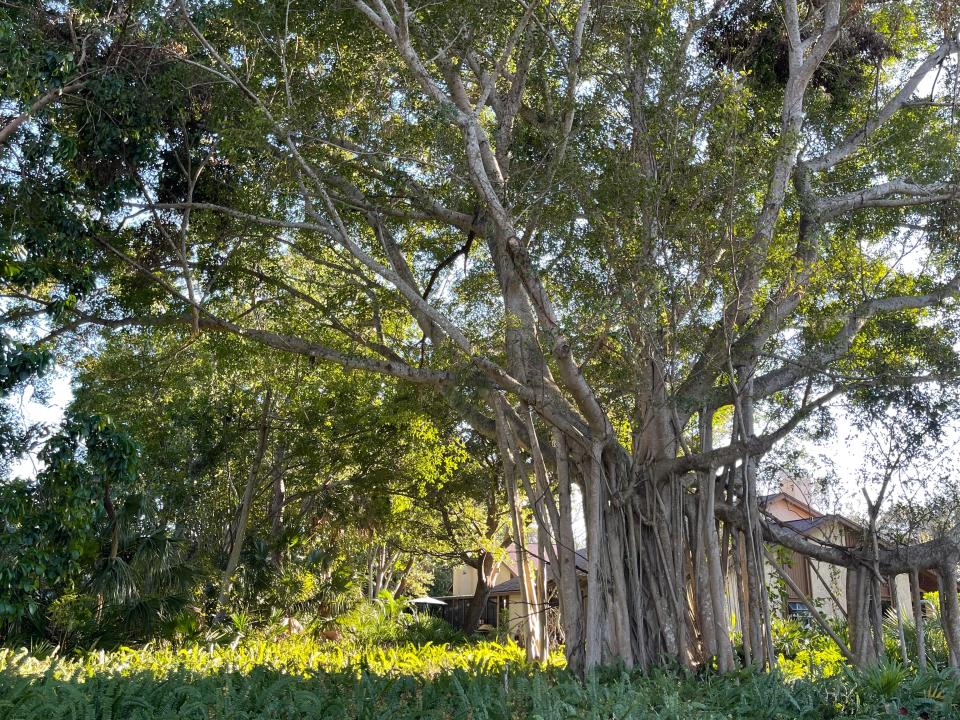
(299, 677)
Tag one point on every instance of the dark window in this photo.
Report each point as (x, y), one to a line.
(798, 611)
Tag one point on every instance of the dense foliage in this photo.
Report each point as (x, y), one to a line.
(300, 678)
(121, 537)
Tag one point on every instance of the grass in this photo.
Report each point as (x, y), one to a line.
(302, 678)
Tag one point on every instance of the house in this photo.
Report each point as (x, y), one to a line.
(505, 608)
(820, 582)
(465, 583)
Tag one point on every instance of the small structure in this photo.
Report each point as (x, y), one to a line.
(429, 605)
(426, 600)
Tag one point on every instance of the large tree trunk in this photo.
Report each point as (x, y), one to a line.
(658, 556)
(568, 577)
(950, 609)
(643, 535)
(638, 548)
(486, 572)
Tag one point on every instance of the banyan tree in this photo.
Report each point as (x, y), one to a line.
(636, 243)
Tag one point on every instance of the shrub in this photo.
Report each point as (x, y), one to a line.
(805, 652)
(389, 621)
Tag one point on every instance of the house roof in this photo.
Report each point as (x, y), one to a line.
(807, 524)
(765, 500)
(512, 586)
(507, 587)
(803, 526)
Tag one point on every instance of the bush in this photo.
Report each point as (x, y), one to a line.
(71, 617)
(390, 621)
(805, 652)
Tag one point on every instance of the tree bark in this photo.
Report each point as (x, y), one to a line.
(901, 635)
(918, 619)
(595, 608)
(243, 512)
(486, 572)
(712, 550)
(568, 577)
(863, 606)
(528, 595)
(950, 609)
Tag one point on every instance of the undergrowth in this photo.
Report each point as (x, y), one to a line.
(304, 678)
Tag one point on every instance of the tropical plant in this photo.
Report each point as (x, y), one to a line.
(298, 677)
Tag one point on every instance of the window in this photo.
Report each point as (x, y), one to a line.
(798, 611)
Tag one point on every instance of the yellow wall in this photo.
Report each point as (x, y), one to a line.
(465, 579)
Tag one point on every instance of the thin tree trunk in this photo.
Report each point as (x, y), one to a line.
(744, 606)
(595, 591)
(701, 597)
(862, 606)
(918, 620)
(901, 635)
(243, 514)
(712, 549)
(760, 602)
(636, 578)
(528, 595)
(547, 516)
(543, 542)
(855, 614)
(571, 600)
